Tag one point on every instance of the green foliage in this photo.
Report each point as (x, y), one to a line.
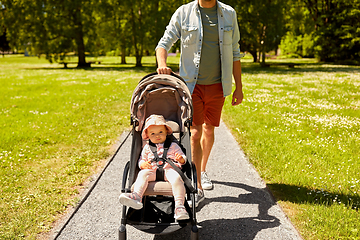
(337, 36)
(289, 44)
(298, 41)
(307, 46)
(51, 28)
(301, 45)
(327, 29)
(261, 23)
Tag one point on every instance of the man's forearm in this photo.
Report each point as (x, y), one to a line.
(161, 56)
(238, 95)
(237, 74)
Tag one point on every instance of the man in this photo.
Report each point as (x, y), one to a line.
(210, 56)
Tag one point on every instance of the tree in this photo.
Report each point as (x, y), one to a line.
(262, 24)
(299, 40)
(143, 22)
(147, 23)
(338, 36)
(336, 24)
(4, 43)
(113, 27)
(137, 13)
(248, 16)
(52, 27)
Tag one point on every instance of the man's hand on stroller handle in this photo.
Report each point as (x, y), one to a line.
(161, 56)
(164, 70)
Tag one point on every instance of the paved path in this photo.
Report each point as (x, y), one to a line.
(239, 207)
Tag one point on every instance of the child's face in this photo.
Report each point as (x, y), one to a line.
(157, 134)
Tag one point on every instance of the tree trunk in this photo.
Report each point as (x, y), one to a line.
(79, 39)
(138, 55)
(263, 57)
(157, 32)
(81, 50)
(123, 53)
(254, 54)
(138, 61)
(263, 48)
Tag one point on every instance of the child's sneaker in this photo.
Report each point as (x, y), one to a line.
(132, 200)
(181, 213)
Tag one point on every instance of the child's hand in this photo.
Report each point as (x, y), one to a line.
(146, 165)
(179, 158)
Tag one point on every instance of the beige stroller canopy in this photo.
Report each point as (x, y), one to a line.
(161, 94)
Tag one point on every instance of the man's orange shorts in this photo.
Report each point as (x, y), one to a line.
(208, 101)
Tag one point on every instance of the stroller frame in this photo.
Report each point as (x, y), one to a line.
(137, 218)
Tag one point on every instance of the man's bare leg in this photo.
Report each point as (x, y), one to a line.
(207, 142)
(196, 150)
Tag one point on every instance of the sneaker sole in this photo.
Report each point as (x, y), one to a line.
(207, 187)
(200, 200)
(181, 217)
(196, 203)
(130, 203)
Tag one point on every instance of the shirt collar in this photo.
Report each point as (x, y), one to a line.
(219, 7)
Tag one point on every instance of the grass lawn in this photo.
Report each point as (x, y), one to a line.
(56, 128)
(300, 127)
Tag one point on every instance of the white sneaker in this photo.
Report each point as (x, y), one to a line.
(131, 200)
(199, 197)
(181, 213)
(206, 182)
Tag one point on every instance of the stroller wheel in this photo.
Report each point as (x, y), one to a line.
(122, 232)
(194, 233)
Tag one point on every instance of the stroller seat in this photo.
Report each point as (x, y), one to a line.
(158, 188)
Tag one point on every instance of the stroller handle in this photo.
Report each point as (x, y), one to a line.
(171, 74)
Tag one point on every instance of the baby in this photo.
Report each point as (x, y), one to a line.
(156, 130)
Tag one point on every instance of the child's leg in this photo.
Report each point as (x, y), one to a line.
(142, 181)
(177, 185)
(178, 189)
(134, 199)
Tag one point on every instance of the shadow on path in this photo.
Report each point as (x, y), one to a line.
(300, 194)
(230, 228)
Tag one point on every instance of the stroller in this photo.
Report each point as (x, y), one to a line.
(169, 96)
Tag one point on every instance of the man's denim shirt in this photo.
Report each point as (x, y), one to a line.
(185, 24)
